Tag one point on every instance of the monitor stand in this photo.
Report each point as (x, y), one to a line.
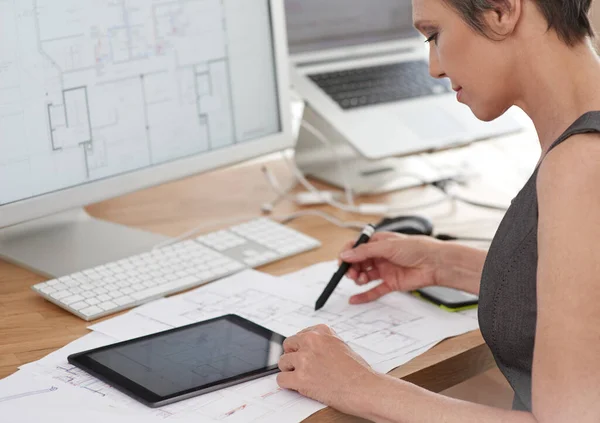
(71, 241)
(337, 161)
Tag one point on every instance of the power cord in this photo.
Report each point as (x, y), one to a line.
(446, 237)
(329, 198)
(356, 225)
(374, 209)
(445, 186)
(314, 196)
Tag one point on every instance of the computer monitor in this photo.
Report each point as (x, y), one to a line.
(98, 99)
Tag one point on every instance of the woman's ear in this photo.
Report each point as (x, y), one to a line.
(502, 20)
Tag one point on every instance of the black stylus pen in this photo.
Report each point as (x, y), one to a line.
(365, 235)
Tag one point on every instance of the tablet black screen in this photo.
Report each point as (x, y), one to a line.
(185, 359)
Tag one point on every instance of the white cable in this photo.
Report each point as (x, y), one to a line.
(365, 208)
(331, 219)
(449, 190)
(281, 193)
(324, 140)
(304, 182)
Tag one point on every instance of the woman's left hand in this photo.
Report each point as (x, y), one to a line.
(319, 365)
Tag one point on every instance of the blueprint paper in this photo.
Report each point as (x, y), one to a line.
(253, 401)
(25, 398)
(387, 333)
(87, 342)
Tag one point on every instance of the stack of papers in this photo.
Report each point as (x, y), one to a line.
(387, 333)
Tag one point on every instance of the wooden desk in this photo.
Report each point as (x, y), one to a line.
(31, 327)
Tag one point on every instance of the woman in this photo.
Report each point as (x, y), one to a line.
(539, 284)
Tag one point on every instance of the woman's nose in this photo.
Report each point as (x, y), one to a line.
(435, 70)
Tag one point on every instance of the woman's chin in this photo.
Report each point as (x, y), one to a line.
(486, 114)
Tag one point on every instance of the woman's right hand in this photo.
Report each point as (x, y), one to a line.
(402, 262)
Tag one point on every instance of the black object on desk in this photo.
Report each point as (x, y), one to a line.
(365, 235)
(409, 225)
(181, 363)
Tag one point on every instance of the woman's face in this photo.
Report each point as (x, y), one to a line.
(478, 67)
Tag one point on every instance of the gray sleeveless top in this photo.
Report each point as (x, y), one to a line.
(507, 298)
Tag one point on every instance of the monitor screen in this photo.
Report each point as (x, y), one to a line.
(90, 90)
(314, 25)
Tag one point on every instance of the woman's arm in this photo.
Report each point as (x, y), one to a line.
(393, 400)
(460, 267)
(566, 370)
(321, 366)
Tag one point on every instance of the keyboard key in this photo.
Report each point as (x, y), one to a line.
(123, 300)
(72, 299)
(104, 297)
(61, 294)
(91, 311)
(79, 305)
(47, 290)
(115, 294)
(107, 305)
(150, 292)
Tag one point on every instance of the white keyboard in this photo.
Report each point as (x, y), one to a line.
(135, 280)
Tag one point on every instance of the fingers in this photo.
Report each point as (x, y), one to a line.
(291, 344)
(363, 265)
(368, 275)
(360, 268)
(372, 250)
(371, 295)
(287, 380)
(357, 268)
(286, 362)
(353, 273)
(347, 246)
(324, 329)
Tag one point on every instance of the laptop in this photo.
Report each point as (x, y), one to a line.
(362, 66)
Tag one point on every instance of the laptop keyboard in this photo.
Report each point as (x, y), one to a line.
(380, 84)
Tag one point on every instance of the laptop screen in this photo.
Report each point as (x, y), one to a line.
(314, 25)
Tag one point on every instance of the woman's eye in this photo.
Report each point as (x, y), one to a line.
(432, 38)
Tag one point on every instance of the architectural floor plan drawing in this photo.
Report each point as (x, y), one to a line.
(25, 394)
(387, 333)
(95, 88)
(389, 328)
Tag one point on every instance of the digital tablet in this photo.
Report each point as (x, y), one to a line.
(181, 363)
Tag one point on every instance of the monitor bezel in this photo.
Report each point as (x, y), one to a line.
(96, 191)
